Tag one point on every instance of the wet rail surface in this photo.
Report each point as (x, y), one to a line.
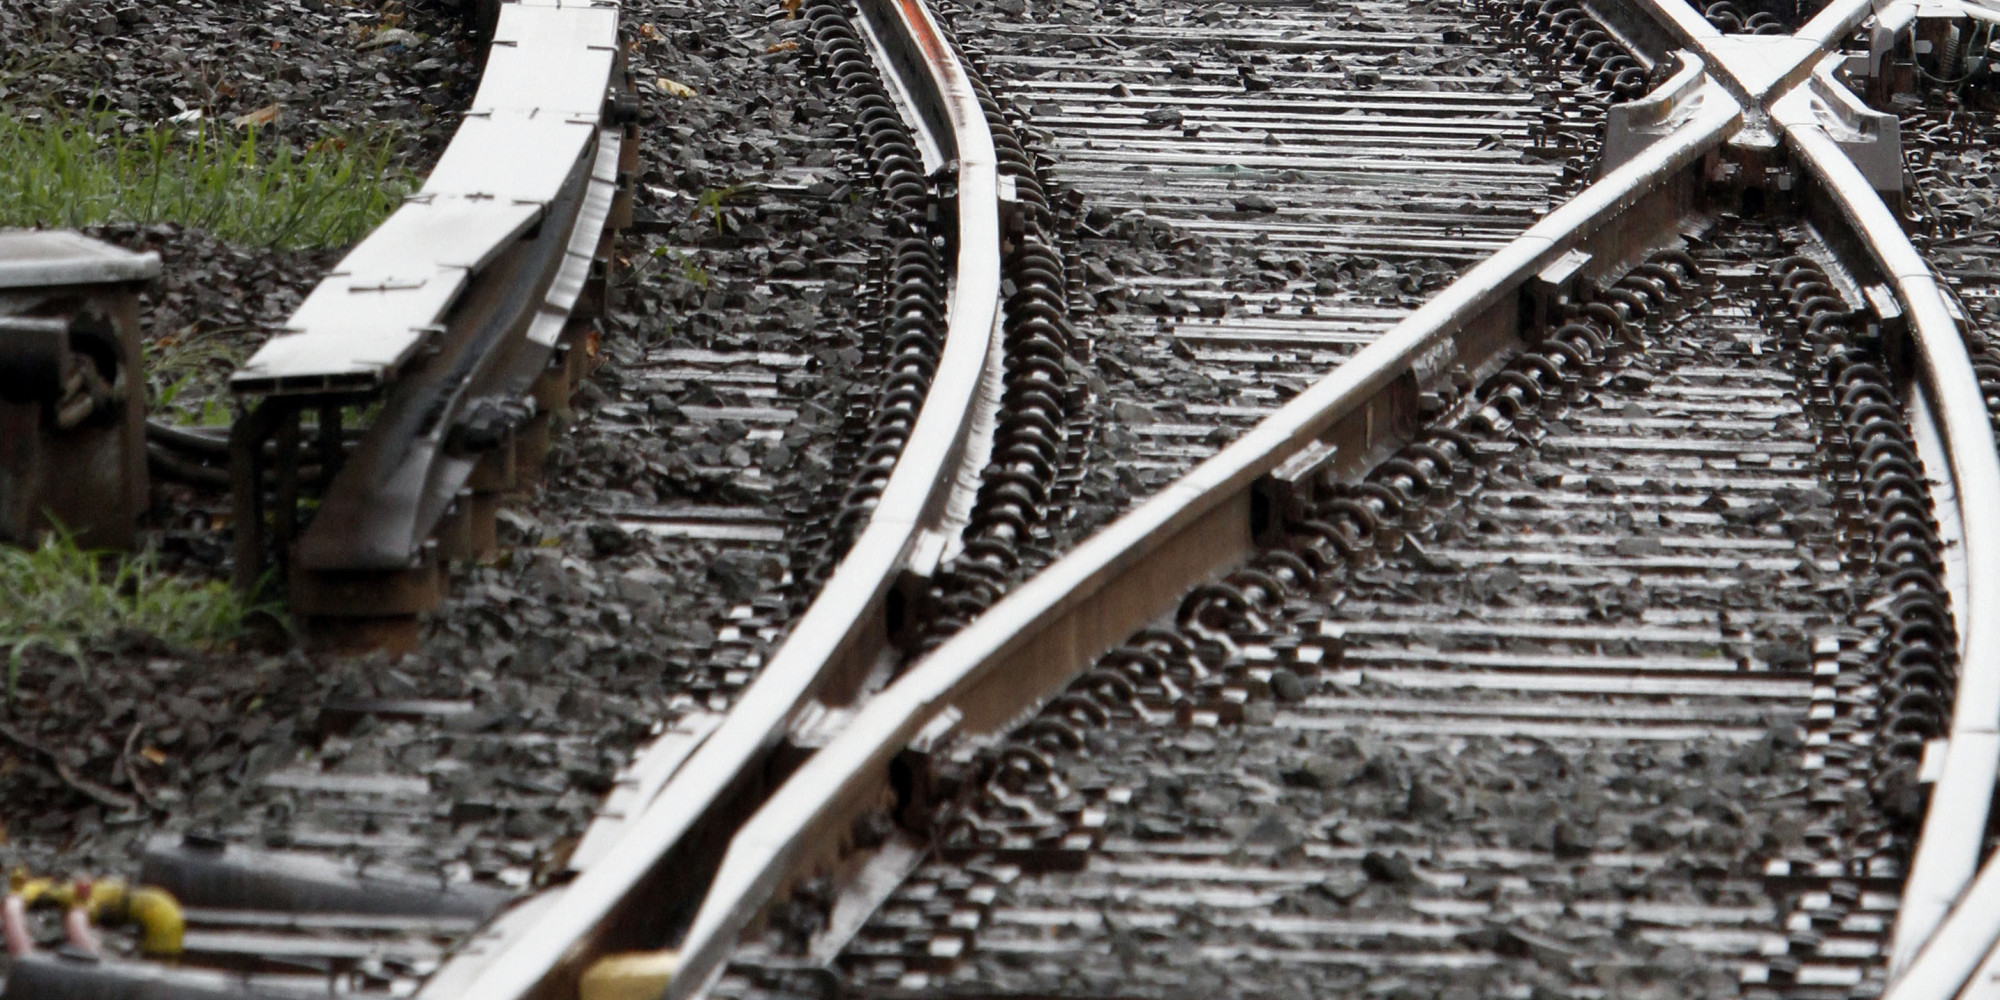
(1555, 741)
(392, 802)
(1617, 678)
(1708, 565)
(1545, 146)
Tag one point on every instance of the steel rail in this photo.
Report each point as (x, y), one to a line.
(841, 633)
(1836, 21)
(1961, 948)
(1947, 855)
(1044, 633)
(1984, 984)
(1955, 824)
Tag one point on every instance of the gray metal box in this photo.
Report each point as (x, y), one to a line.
(72, 392)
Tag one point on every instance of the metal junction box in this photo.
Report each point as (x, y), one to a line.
(72, 393)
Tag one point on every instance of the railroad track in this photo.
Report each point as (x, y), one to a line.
(1254, 202)
(1593, 625)
(1596, 550)
(280, 920)
(1013, 806)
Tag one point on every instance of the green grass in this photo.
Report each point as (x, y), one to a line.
(61, 597)
(712, 200)
(186, 373)
(68, 171)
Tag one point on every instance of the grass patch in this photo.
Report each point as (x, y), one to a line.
(70, 171)
(61, 597)
(186, 373)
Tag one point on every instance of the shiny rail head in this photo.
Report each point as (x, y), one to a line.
(1040, 635)
(556, 945)
(847, 774)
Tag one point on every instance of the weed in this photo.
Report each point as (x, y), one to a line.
(58, 596)
(187, 370)
(692, 271)
(73, 171)
(712, 200)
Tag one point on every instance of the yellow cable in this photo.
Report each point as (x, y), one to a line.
(162, 925)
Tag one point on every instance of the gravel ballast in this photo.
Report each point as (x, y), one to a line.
(578, 642)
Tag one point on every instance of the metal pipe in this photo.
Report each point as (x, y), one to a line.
(162, 925)
(199, 440)
(68, 977)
